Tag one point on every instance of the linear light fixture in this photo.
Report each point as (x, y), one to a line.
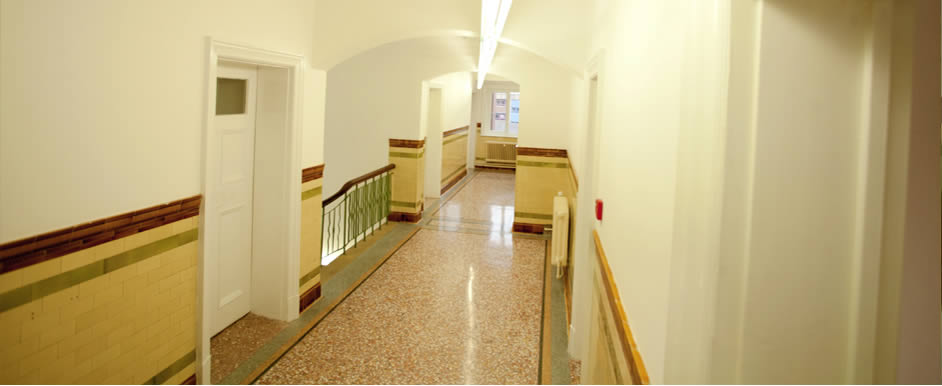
(493, 15)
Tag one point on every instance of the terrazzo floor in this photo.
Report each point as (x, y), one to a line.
(450, 306)
(236, 343)
(575, 372)
(488, 198)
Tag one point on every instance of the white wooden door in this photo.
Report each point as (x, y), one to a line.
(234, 126)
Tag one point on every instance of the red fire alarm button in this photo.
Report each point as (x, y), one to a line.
(598, 209)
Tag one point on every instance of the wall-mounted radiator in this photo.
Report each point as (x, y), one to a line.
(501, 152)
(560, 244)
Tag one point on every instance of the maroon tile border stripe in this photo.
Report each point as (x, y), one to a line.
(523, 227)
(404, 217)
(309, 296)
(459, 130)
(510, 169)
(409, 143)
(312, 173)
(191, 380)
(37, 249)
(536, 151)
(454, 180)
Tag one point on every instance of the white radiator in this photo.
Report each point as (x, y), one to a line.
(501, 152)
(560, 244)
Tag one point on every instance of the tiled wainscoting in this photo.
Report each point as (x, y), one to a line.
(541, 174)
(312, 181)
(480, 151)
(110, 301)
(454, 157)
(408, 179)
(612, 348)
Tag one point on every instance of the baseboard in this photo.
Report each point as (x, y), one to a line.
(454, 180)
(512, 168)
(309, 297)
(523, 227)
(404, 217)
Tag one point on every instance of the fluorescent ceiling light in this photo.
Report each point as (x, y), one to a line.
(493, 16)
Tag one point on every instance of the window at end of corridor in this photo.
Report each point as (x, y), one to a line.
(505, 113)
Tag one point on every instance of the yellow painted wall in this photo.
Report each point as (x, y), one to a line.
(311, 196)
(454, 156)
(133, 325)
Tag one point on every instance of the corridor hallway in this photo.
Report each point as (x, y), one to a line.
(459, 302)
(702, 192)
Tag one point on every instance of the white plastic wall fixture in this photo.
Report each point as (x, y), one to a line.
(560, 242)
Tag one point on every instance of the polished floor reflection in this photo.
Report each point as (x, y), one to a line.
(451, 306)
(488, 198)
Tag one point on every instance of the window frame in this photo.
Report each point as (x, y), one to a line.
(486, 125)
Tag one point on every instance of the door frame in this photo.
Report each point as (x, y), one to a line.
(281, 270)
(583, 259)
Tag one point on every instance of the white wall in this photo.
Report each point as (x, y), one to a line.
(432, 110)
(452, 107)
(368, 104)
(103, 101)
(315, 98)
(348, 28)
(456, 99)
(638, 126)
(788, 166)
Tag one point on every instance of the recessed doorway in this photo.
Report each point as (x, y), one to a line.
(250, 222)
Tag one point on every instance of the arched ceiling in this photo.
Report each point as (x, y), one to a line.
(556, 30)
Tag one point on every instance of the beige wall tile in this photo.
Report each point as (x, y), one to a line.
(146, 307)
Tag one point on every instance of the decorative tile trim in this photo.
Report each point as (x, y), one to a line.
(461, 129)
(503, 169)
(543, 164)
(452, 174)
(311, 193)
(534, 215)
(312, 173)
(397, 154)
(536, 151)
(190, 381)
(404, 217)
(639, 374)
(521, 227)
(309, 297)
(37, 249)
(454, 139)
(407, 143)
(405, 204)
(174, 368)
(71, 278)
(479, 125)
(461, 174)
(308, 276)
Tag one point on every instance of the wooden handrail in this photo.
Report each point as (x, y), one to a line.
(349, 184)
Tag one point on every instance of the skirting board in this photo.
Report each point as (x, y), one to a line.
(404, 217)
(309, 297)
(454, 180)
(522, 227)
